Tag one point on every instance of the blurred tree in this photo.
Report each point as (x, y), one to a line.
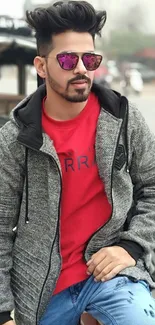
(125, 43)
(129, 34)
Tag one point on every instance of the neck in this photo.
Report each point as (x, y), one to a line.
(60, 109)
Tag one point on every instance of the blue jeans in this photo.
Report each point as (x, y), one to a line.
(119, 301)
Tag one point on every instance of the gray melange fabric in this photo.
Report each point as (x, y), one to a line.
(29, 259)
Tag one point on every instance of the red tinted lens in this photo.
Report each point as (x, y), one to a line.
(91, 61)
(67, 61)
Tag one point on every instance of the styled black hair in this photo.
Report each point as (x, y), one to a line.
(78, 16)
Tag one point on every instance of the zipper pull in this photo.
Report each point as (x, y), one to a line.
(127, 170)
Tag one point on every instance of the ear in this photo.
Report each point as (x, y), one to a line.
(40, 66)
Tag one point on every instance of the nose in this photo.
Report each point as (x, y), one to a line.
(80, 68)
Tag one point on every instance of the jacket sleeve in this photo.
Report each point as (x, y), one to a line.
(11, 184)
(141, 145)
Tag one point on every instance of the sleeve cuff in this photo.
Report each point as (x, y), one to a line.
(134, 249)
(5, 317)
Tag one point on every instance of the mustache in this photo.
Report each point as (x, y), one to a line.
(80, 77)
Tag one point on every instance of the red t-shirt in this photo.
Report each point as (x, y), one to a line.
(84, 204)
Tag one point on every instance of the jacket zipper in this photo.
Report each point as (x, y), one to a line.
(112, 203)
(113, 168)
(59, 209)
(57, 231)
(57, 228)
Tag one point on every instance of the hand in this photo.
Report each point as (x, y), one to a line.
(11, 322)
(108, 262)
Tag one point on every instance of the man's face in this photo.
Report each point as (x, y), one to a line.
(73, 85)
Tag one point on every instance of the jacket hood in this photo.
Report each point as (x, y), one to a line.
(28, 112)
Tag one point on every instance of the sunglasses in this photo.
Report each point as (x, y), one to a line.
(69, 60)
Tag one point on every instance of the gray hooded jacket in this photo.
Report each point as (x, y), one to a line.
(30, 199)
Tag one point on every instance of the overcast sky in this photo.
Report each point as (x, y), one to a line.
(15, 8)
(11, 8)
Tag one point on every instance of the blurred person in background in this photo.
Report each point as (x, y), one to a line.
(77, 188)
(132, 82)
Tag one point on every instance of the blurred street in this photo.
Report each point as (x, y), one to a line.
(146, 104)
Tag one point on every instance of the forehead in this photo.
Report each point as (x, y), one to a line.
(72, 41)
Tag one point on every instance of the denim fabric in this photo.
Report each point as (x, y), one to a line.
(119, 301)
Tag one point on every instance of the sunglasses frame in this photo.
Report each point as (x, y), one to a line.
(78, 57)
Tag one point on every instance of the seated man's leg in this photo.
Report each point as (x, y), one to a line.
(121, 301)
(61, 310)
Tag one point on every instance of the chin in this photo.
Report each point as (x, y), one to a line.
(77, 98)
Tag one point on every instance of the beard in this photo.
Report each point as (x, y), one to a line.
(81, 95)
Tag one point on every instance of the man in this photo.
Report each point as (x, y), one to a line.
(77, 188)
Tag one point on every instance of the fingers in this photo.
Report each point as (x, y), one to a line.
(109, 272)
(108, 262)
(96, 267)
(101, 270)
(96, 260)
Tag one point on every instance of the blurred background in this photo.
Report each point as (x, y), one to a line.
(127, 46)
